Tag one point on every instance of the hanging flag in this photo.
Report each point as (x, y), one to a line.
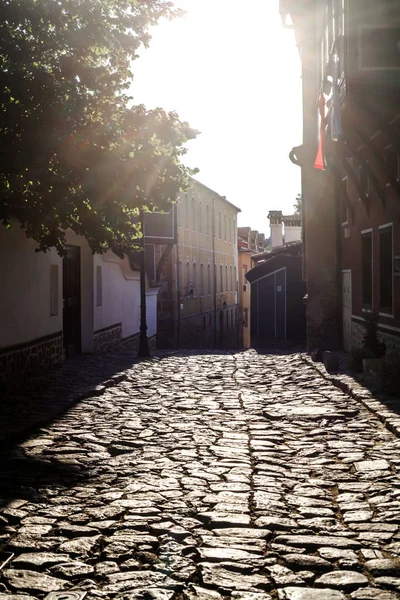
(336, 117)
(319, 162)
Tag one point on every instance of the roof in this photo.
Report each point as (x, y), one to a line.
(291, 252)
(290, 249)
(216, 194)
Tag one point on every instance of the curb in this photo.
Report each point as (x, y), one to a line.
(375, 404)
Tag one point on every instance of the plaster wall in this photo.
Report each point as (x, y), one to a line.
(120, 294)
(276, 235)
(25, 289)
(292, 233)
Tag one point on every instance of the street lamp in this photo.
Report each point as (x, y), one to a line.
(144, 351)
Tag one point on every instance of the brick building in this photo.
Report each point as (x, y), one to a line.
(351, 192)
(197, 302)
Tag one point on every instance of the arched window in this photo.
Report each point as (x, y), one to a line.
(185, 208)
(202, 280)
(187, 277)
(200, 219)
(195, 279)
(226, 278)
(221, 283)
(180, 282)
(193, 214)
(230, 273)
(209, 279)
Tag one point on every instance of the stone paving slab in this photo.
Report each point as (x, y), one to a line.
(196, 475)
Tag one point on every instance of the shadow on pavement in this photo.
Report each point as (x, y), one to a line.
(37, 401)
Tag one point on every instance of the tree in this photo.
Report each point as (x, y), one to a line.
(298, 205)
(72, 152)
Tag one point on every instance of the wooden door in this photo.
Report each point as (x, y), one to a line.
(347, 309)
(72, 301)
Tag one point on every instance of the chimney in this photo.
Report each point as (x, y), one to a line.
(275, 221)
(292, 225)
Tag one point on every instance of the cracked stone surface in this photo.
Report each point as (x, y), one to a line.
(205, 476)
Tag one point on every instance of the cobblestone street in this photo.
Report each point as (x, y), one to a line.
(206, 476)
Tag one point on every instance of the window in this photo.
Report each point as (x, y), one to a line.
(366, 269)
(220, 279)
(235, 281)
(345, 207)
(179, 211)
(99, 287)
(53, 290)
(392, 162)
(233, 230)
(202, 280)
(186, 210)
(226, 278)
(187, 276)
(225, 227)
(209, 279)
(220, 225)
(193, 214)
(180, 282)
(385, 270)
(230, 277)
(208, 220)
(195, 278)
(200, 219)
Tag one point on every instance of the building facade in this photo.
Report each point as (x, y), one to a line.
(350, 167)
(245, 264)
(52, 308)
(198, 299)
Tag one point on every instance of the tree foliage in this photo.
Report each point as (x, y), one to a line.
(73, 154)
(298, 205)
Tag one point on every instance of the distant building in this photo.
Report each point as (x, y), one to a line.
(245, 265)
(198, 299)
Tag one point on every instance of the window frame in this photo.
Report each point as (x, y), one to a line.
(367, 306)
(384, 310)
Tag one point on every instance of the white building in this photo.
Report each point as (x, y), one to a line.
(52, 308)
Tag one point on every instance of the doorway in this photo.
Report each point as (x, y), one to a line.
(72, 301)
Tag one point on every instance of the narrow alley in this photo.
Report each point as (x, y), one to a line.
(206, 476)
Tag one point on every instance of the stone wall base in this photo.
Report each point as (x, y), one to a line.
(33, 358)
(107, 339)
(111, 340)
(392, 341)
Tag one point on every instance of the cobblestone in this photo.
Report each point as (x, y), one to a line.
(203, 476)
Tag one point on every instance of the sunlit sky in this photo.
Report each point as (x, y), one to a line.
(232, 72)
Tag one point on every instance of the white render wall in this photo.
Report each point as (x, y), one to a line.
(25, 292)
(121, 294)
(276, 235)
(292, 233)
(25, 289)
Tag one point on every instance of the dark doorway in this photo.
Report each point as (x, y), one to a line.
(72, 301)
